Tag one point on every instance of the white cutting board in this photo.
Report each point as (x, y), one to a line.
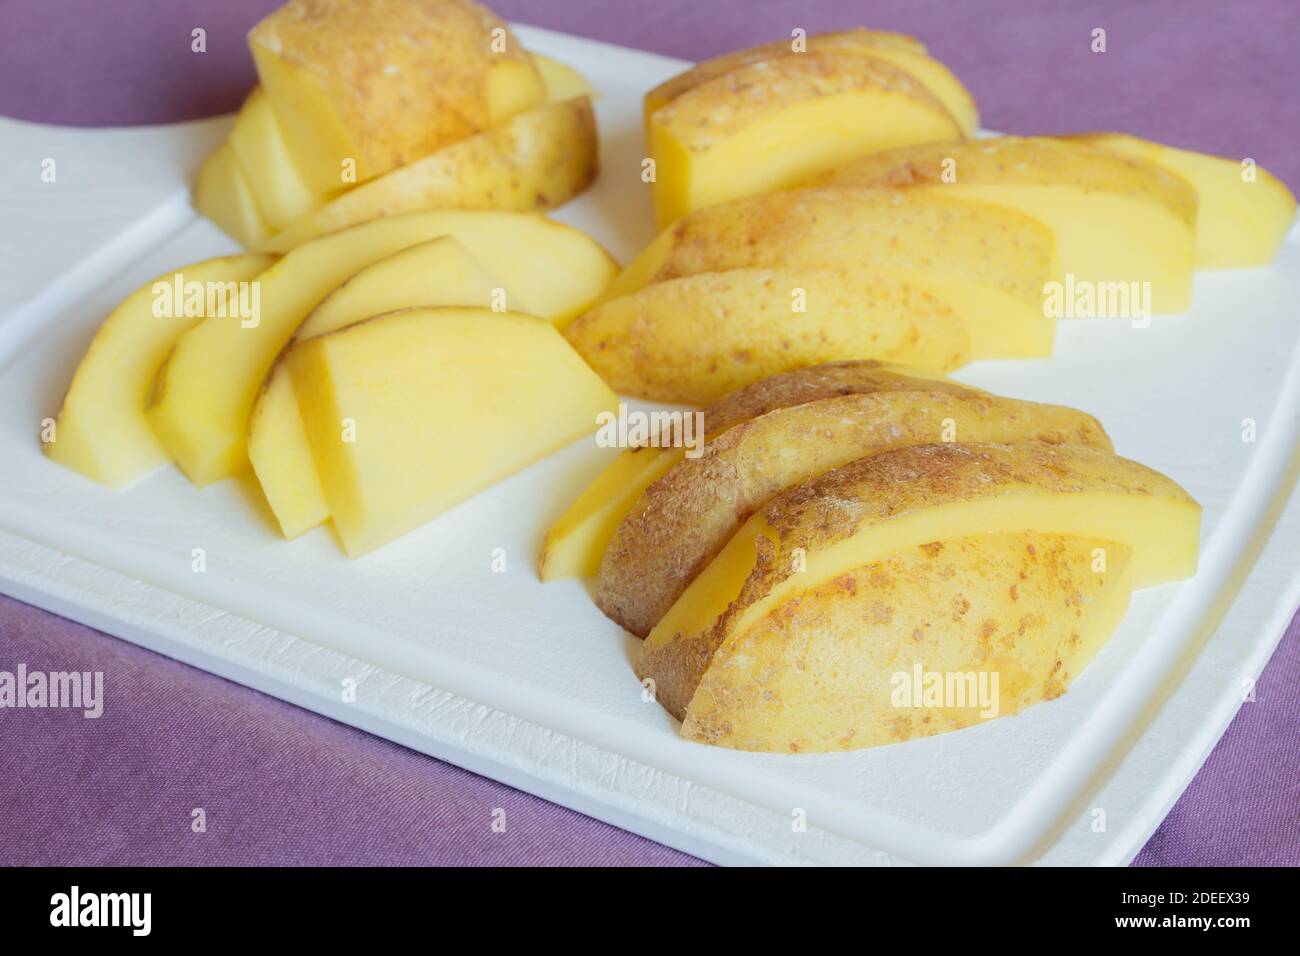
(530, 684)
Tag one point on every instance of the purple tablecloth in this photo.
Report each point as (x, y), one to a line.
(279, 785)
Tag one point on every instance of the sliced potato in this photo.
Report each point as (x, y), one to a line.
(982, 264)
(985, 626)
(101, 429)
(386, 82)
(857, 514)
(435, 273)
(575, 544)
(693, 339)
(1115, 219)
(207, 388)
(686, 517)
(899, 49)
(538, 160)
(222, 193)
(1241, 217)
(471, 396)
(282, 193)
(771, 124)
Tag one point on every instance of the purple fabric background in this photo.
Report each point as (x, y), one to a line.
(280, 785)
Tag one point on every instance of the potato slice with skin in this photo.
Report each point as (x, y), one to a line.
(899, 49)
(470, 396)
(770, 125)
(222, 193)
(435, 273)
(537, 161)
(1115, 219)
(688, 515)
(1240, 222)
(101, 429)
(282, 193)
(694, 339)
(385, 82)
(858, 39)
(994, 261)
(575, 544)
(207, 388)
(1016, 616)
(859, 513)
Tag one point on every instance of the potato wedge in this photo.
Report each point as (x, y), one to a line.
(686, 517)
(857, 514)
(207, 388)
(499, 388)
(282, 193)
(926, 640)
(987, 263)
(575, 544)
(903, 51)
(101, 429)
(222, 193)
(536, 161)
(435, 273)
(384, 82)
(1115, 219)
(1242, 215)
(694, 339)
(772, 124)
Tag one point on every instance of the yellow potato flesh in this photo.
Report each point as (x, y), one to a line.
(1107, 238)
(930, 493)
(384, 83)
(785, 146)
(824, 672)
(1240, 222)
(209, 384)
(222, 193)
(434, 273)
(576, 542)
(537, 160)
(281, 192)
(101, 429)
(562, 82)
(410, 413)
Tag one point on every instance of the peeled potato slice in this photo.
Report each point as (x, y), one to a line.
(470, 396)
(208, 386)
(101, 429)
(439, 272)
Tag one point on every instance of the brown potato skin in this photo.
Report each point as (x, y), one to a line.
(814, 675)
(858, 40)
(872, 490)
(843, 227)
(686, 517)
(693, 339)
